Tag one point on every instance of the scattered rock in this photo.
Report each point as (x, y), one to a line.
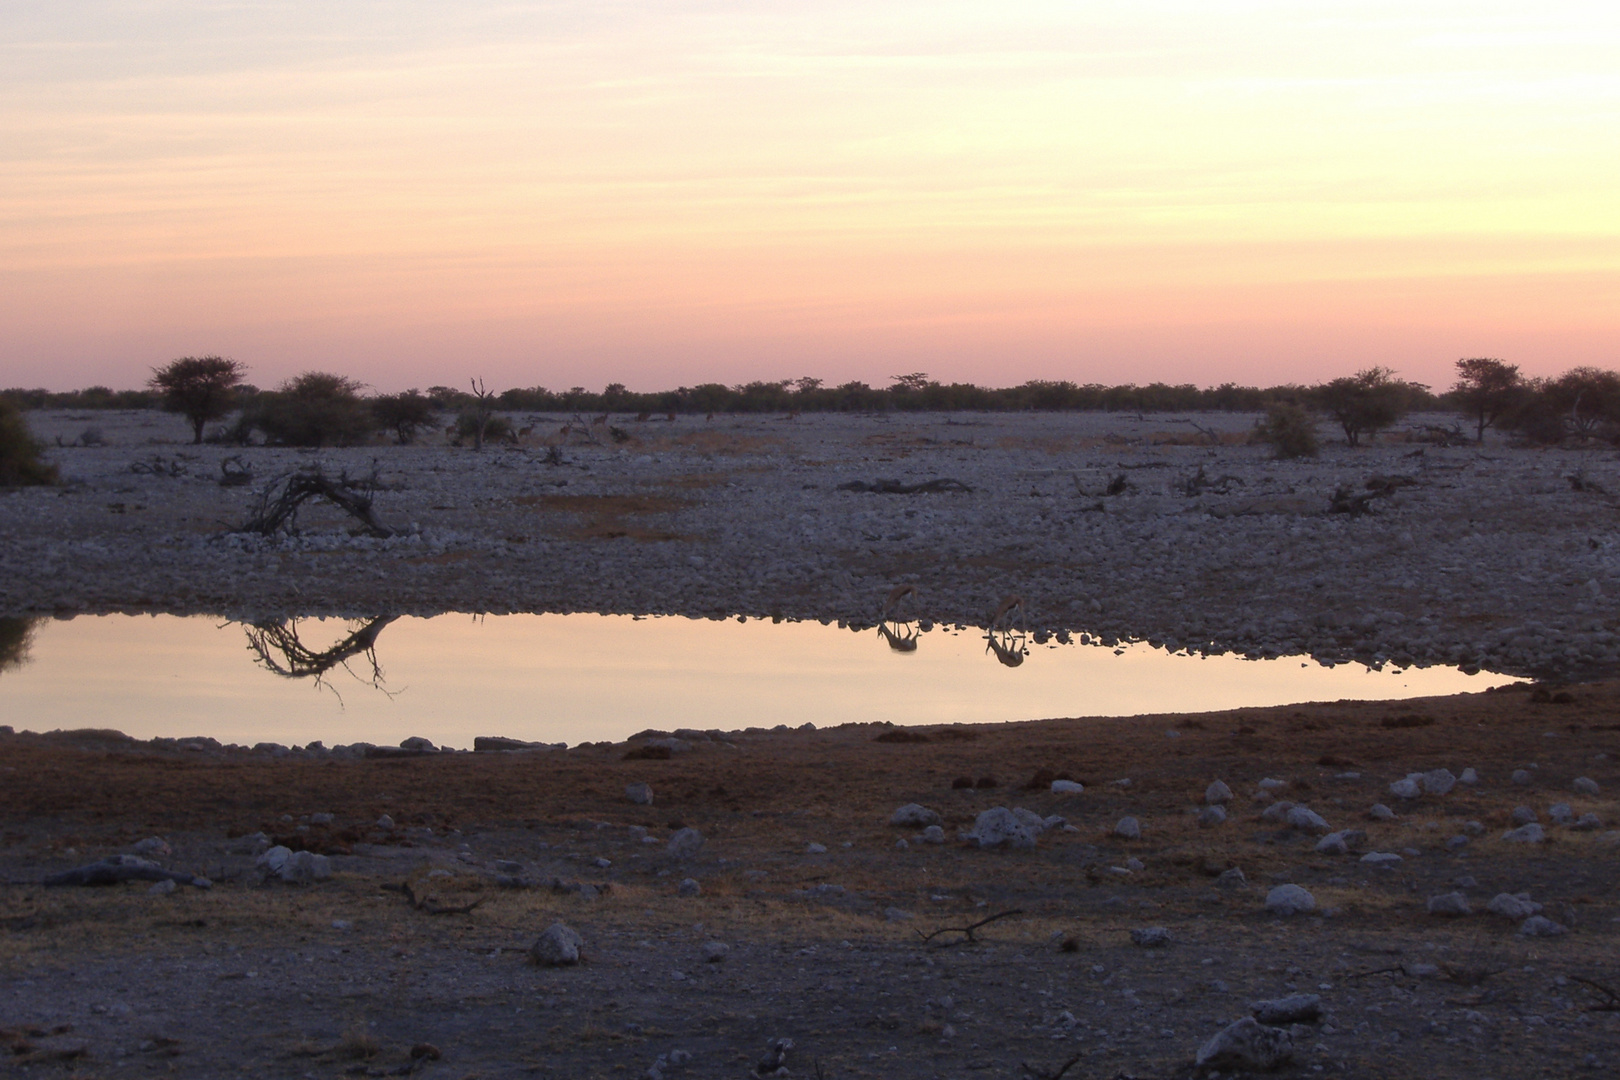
(1067, 787)
(558, 946)
(1514, 906)
(1439, 781)
(1231, 879)
(385, 822)
(1408, 787)
(1150, 937)
(1289, 900)
(685, 843)
(1247, 1044)
(1561, 813)
(1380, 812)
(1217, 793)
(163, 888)
(1270, 784)
(1522, 815)
(1307, 820)
(639, 794)
(914, 815)
(294, 866)
(1293, 1009)
(934, 834)
(154, 847)
(1585, 785)
(715, 952)
(418, 744)
(1211, 815)
(1340, 843)
(1128, 828)
(1000, 827)
(1277, 811)
(1587, 823)
(776, 1052)
(1526, 834)
(1451, 904)
(1381, 858)
(1522, 777)
(1469, 777)
(895, 914)
(689, 887)
(1541, 926)
(817, 849)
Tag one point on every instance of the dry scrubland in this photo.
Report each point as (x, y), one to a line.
(1487, 556)
(346, 977)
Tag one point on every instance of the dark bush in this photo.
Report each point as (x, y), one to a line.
(315, 409)
(20, 461)
(403, 414)
(1290, 430)
(496, 427)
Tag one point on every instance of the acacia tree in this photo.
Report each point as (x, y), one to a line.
(203, 388)
(1487, 390)
(1367, 402)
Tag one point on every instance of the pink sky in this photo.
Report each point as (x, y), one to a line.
(569, 194)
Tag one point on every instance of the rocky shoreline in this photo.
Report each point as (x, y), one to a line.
(1168, 529)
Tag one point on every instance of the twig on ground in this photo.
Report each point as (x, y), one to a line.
(1044, 1074)
(967, 930)
(1613, 1002)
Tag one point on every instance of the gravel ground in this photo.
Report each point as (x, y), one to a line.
(802, 879)
(1481, 556)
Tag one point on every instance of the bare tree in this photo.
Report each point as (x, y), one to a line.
(484, 410)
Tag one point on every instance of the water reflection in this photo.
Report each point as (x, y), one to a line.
(1009, 646)
(16, 635)
(901, 636)
(279, 647)
(573, 678)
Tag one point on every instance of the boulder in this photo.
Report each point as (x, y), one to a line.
(1211, 815)
(1067, 787)
(558, 946)
(1293, 1009)
(1526, 834)
(685, 843)
(1307, 820)
(999, 827)
(1289, 900)
(1277, 811)
(1408, 787)
(1514, 906)
(1541, 926)
(1380, 812)
(914, 815)
(1217, 793)
(640, 794)
(1247, 1044)
(1439, 781)
(1128, 828)
(1386, 859)
(1523, 815)
(1450, 904)
(1585, 785)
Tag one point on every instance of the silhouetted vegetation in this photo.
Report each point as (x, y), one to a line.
(1486, 391)
(16, 635)
(317, 408)
(201, 388)
(20, 460)
(1367, 402)
(403, 414)
(1290, 430)
(1581, 406)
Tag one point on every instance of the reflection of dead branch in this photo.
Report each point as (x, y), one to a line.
(279, 649)
(276, 507)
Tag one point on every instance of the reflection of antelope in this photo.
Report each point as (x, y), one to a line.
(1008, 645)
(901, 636)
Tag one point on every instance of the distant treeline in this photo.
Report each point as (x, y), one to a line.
(322, 408)
(910, 393)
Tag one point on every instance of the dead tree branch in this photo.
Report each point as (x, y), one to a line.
(1610, 1005)
(967, 930)
(276, 507)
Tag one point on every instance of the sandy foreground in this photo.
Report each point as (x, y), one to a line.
(824, 944)
(1480, 556)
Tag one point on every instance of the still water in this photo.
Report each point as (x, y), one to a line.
(578, 678)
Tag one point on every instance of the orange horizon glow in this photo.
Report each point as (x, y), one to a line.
(566, 194)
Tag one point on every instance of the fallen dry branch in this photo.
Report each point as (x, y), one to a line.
(1049, 1074)
(967, 930)
(895, 487)
(118, 868)
(276, 508)
(1612, 1004)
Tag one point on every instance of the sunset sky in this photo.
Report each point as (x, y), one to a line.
(680, 191)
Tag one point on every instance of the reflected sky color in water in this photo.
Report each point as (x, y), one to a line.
(578, 678)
